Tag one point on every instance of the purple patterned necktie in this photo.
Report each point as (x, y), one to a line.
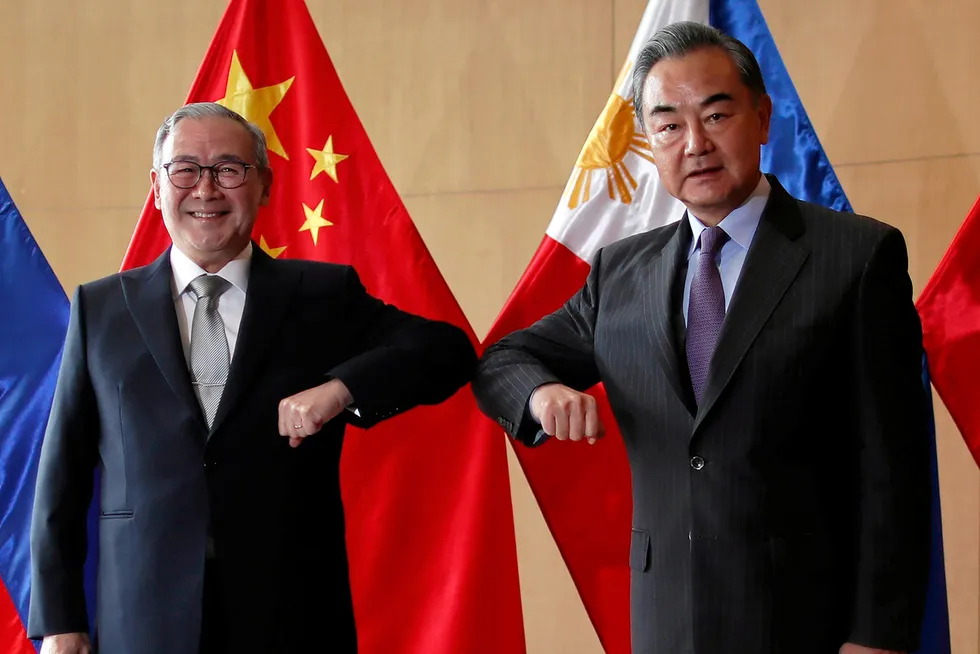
(706, 309)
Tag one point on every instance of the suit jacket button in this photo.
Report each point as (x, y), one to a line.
(697, 462)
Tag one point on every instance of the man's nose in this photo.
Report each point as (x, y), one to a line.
(698, 142)
(206, 187)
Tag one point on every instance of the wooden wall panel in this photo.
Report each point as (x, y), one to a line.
(884, 80)
(478, 111)
(465, 97)
(483, 242)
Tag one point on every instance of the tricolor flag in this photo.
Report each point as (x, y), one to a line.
(32, 333)
(612, 193)
(430, 528)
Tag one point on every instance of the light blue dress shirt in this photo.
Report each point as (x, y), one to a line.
(740, 225)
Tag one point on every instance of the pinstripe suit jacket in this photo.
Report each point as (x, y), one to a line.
(789, 511)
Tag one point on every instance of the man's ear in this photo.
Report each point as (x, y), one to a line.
(265, 175)
(155, 187)
(765, 116)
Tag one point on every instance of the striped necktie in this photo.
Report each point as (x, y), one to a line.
(209, 345)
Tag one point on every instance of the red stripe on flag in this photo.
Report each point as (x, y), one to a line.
(950, 311)
(583, 491)
(13, 636)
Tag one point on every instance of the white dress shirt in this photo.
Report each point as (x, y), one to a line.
(740, 225)
(231, 303)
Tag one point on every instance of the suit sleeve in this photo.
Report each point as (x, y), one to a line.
(893, 427)
(63, 492)
(401, 360)
(558, 348)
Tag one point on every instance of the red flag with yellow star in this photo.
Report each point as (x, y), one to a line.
(430, 529)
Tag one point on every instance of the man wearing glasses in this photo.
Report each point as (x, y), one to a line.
(217, 434)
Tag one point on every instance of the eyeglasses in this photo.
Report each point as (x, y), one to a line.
(226, 174)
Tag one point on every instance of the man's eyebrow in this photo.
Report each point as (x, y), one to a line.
(717, 97)
(710, 100)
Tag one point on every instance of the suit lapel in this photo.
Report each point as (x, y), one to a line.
(659, 310)
(772, 263)
(270, 287)
(149, 296)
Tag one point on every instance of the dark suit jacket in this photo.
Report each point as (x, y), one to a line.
(789, 511)
(124, 404)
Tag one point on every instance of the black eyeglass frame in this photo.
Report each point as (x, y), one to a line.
(212, 169)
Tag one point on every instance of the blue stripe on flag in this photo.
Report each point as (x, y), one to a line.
(795, 156)
(935, 625)
(32, 333)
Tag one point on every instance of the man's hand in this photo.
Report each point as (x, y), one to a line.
(566, 414)
(303, 414)
(851, 648)
(76, 643)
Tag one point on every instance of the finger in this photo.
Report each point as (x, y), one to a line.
(298, 427)
(293, 424)
(561, 424)
(592, 424)
(547, 422)
(284, 418)
(576, 422)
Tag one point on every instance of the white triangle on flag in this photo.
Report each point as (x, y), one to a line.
(614, 190)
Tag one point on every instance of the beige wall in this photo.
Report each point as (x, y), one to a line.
(478, 110)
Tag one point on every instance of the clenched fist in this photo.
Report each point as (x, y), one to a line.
(566, 414)
(75, 643)
(303, 414)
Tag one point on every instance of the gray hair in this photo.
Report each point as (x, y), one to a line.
(199, 110)
(679, 39)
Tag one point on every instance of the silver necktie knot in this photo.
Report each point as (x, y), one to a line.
(208, 286)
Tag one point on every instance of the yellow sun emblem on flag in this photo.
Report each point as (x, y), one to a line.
(612, 137)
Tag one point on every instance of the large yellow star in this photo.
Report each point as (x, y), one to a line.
(326, 160)
(271, 251)
(256, 105)
(314, 221)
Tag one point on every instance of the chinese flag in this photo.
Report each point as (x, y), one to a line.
(430, 530)
(950, 311)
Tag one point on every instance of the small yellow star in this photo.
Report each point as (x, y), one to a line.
(256, 105)
(326, 160)
(272, 252)
(314, 221)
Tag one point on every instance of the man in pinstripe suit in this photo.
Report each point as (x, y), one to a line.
(762, 359)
